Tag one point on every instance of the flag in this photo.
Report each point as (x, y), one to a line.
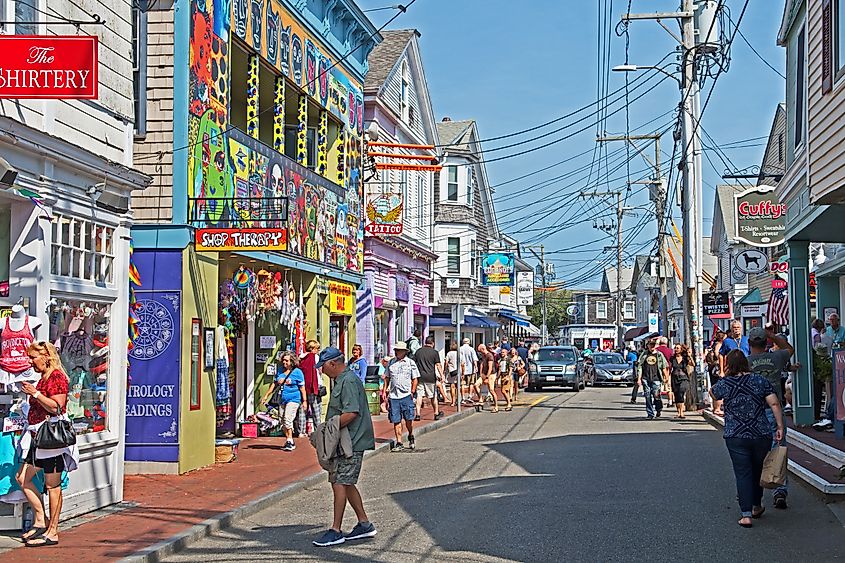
(779, 306)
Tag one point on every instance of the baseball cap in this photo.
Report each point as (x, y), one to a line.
(400, 346)
(328, 354)
(758, 335)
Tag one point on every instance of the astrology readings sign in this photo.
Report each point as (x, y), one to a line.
(213, 240)
(48, 67)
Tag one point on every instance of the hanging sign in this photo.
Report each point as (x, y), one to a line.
(839, 387)
(341, 298)
(402, 288)
(48, 67)
(525, 288)
(751, 261)
(759, 218)
(384, 213)
(497, 269)
(778, 283)
(213, 240)
(717, 305)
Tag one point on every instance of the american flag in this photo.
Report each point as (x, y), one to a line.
(779, 306)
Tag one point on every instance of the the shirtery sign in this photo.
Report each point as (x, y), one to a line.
(760, 217)
(48, 67)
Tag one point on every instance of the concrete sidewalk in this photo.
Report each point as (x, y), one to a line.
(164, 512)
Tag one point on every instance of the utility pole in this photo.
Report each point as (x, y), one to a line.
(542, 258)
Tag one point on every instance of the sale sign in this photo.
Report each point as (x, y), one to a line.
(215, 240)
(48, 67)
(341, 298)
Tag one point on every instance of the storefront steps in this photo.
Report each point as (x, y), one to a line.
(162, 514)
(816, 458)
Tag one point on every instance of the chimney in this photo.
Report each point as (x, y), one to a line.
(447, 119)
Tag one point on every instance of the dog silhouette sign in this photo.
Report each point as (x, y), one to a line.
(751, 261)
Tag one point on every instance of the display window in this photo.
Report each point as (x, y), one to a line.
(80, 331)
(381, 324)
(82, 249)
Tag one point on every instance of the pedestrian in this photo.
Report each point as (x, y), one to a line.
(734, 340)
(469, 366)
(358, 363)
(833, 339)
(522, 350)
(817, 330)
(288, 391)
(748, 434)
(533, 351)
(505, 381)
(681, 370)
(505, 344)
(382, 388)
(348, 401)
(453, 371)
(771, 365)
(486, 374)
(401, 380)
(631, 358)
(519, 370)
(716, 367)
(430, 368)
(48, 397)
(313, 386)
(414, 343)
(652, 374)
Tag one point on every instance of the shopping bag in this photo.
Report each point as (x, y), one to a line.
(774, 468)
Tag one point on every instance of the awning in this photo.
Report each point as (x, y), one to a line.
(533, 330)
(518, 319)
(634, 332)
(470, 321)
(646, 336)
(752, 296)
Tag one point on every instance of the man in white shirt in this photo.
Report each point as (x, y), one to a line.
(401, 379)
(469, 367)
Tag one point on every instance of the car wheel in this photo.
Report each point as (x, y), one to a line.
(582, 385)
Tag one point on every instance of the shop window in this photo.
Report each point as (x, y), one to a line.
(453, 258)
(83, 250)
(80, 331)
(196, 363)
(401, 329)
(380, 343)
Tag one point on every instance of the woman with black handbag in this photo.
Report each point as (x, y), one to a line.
(48, 444)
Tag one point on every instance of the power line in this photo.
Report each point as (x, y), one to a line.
(759, 56)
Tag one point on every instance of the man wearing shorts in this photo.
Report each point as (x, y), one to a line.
(469, 368)
(430, 368)
(348, 401)
(401, 381)
(486, 372)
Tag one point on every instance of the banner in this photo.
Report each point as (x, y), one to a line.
(525, 288)
(497, 269)
(48, 67)
(212, 240)
(341, 298)
(759, 217)
(384, 213)
(152, 397)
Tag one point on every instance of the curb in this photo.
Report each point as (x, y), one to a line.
(828, 491)
(171, 545)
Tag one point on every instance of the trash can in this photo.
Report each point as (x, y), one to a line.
(373, 399)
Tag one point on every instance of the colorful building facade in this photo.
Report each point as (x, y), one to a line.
(263, 237)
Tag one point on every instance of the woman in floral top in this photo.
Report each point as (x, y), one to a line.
(748, 434)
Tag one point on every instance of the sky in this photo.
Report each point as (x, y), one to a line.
(515, 65)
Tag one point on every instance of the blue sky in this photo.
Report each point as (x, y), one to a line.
(513, 68)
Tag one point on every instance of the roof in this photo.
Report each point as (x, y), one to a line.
(454, 132)
(752, 296)
(385, 55)
(723, 213)
(609, 281)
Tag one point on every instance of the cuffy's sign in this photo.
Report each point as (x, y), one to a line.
(759, 217)
(48, 67)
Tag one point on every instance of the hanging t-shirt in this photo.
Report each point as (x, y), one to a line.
(13, 356)
(291, 392)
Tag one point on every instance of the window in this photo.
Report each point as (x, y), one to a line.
(139, 69)
(26, 17)
(470, 192)
(380, 333)
(82, 249)
(839, 37)
(420, 201)
(311, 144)
(601, 309)
(196, 363)
(453, 257)
(404, 97)
(799, 89)
(473, 273)
(400, 330)
(80, 331)
(628, 309)
(452, 184)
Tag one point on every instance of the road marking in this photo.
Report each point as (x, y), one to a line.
(540, 400)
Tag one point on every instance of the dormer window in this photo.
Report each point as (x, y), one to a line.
(405, 94)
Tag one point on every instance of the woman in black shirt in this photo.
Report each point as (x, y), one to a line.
(681, 368)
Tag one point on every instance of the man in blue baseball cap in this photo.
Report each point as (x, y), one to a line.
(348, 401)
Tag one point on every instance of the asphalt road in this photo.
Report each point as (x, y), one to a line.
(576, 477)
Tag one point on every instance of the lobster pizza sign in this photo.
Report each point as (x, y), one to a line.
(759, 218)
(384, 213)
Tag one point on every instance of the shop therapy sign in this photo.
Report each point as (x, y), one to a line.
(759, 218)
(48, 67)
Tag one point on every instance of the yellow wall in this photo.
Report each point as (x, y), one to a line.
(197, 428)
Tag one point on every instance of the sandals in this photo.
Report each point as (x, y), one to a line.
(36, 533)
(495, 410)
(44, 541)
(508, 408)
(758, 514)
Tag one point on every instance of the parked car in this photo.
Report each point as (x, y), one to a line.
(608, 369)
(555, 366)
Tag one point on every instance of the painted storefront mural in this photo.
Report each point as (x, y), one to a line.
(235, 181)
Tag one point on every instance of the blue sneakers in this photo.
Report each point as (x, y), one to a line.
(361, 531)
(330, 537)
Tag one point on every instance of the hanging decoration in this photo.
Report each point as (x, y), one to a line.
(134, 280)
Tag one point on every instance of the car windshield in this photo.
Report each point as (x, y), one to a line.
(608, 359)
(556, 354)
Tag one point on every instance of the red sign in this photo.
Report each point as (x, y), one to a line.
(213, 240)
(48, 67)
(778, 283)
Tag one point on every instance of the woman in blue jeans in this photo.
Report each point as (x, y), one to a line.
(748, 434)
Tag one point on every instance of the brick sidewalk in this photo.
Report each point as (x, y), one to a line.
(171, 504)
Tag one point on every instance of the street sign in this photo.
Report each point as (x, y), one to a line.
(717, 305)
(751, 261)
(572, 311)
(457, 315)
(525, 288)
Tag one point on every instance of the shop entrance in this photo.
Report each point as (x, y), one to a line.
(337, 333)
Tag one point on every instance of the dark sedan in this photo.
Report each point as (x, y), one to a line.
(555, 366)
(609, 369)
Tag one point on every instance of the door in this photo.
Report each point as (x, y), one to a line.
(337, 333)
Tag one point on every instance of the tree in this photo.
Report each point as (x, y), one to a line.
(556, 302)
